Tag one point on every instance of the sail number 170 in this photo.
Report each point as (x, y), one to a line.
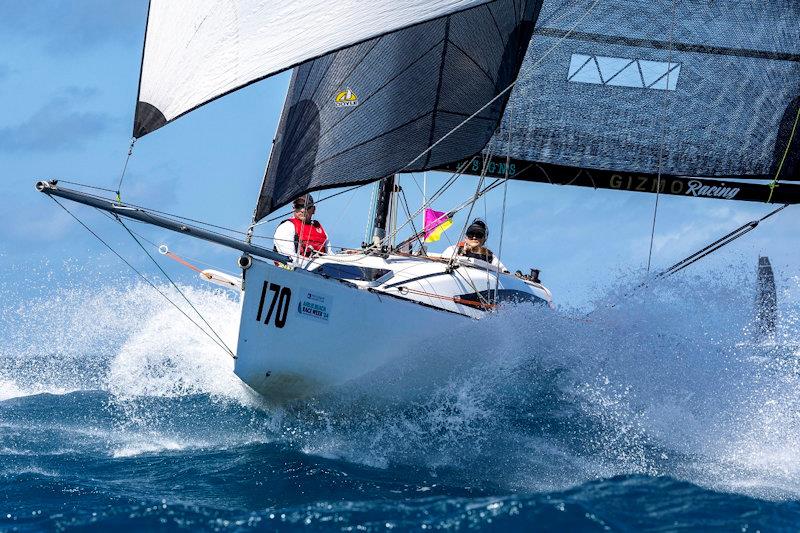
(278, 307)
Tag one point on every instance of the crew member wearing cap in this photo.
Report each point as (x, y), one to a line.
(301, 236)
(473, 245)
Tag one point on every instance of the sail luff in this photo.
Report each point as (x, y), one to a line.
(197, 51)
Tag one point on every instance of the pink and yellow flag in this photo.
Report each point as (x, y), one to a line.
(435, 224)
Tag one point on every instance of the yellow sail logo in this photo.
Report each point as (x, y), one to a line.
(346, 98)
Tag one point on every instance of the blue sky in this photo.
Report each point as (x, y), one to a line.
(68, 81)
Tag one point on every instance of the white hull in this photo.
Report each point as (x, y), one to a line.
(302, 332)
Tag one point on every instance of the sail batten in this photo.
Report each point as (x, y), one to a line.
(198, 50)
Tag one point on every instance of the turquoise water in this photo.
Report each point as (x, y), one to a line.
(660, 413)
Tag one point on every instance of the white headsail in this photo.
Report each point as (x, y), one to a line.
(198, 50)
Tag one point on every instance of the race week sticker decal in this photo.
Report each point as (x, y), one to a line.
(314, 305)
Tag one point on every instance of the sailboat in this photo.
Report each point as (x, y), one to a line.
(660, 98)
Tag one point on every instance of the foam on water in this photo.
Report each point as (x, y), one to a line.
(666, 382)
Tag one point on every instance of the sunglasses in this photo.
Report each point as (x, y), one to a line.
(301, 207)
(475, 235)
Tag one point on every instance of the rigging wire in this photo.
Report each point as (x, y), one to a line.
(168, 253)
(700, 254)
(486, 159)
(146, 280)
(417, 235)
(440, 191)
(716, 245)
(505, 196)
(172, 216)
(664, 119)
(273, 219)
(87, 186)
(175, 285)
(124, 169)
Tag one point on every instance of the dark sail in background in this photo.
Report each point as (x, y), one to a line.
(635, 89)
(766, 300)
(365, 112)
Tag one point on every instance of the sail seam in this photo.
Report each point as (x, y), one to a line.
(662, 45)
(494, 20)
(472, 60)
(404, 124)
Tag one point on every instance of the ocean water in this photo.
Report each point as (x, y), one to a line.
(659, 413)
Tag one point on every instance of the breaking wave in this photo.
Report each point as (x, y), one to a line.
(668, 381)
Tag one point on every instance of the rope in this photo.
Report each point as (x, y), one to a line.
(417, 235)
(150, 283)
(182, 261)
(664, 119)
(456, 299)
(774, 182)
(124, 168)
(440, 191)
(496, 183)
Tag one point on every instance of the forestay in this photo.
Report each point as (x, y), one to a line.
(670, 88)
(365, 112)
(198, 50)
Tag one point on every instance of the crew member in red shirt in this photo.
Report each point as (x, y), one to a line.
(301, 236)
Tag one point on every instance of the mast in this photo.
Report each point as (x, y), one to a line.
(383, 206)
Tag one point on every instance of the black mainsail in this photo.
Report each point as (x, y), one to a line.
(367, 111)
